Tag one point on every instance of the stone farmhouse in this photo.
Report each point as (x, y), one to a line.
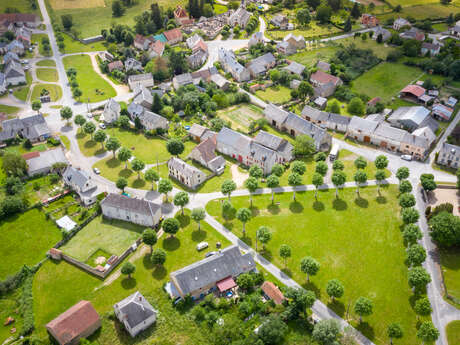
(149, 120)
(81, 183)
(215, 273)
(282, 147)
(133, 65)
(231, 65)
(137, 211)
(156, 49)
(327, 120)
(296, 125)
(135, 313)
(173, 36)
(240, 17)
(295, 68)
(412, 118)
(185, 173)
(280, 21)
(42, 162)
(256, 38)
(210, 26)
(261, 65)
(291, 44)
(145, 79)
(182, 80)
(369, 20)
(143, 96)
(14, 73)
(413, 34)
(111, 111)
(115, 65)
(324, 84)
(205, 154)
(181, 16)
(33, 128)
(449, 155)
(77, 322)
(399, 23)
(142, 42)
(200, 133)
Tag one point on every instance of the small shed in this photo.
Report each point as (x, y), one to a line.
(66, 223)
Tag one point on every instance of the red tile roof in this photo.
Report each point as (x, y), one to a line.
(272, 291)
(115, 65)
(374, 101)
(324, 78)
(200, 45)
(179, 12)
(158, 47)
(226, 284)
(415, 90)
(30, 155)
(172, 34)
(18, 17)
(74, 322)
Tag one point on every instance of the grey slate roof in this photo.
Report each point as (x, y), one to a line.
(339, 119)
(295, 68)
(75, 176)
(389, 132)
(130, 204)
(183, 79)
(216, 163)
(142, 94)
(238, 141)
(13, 69)
(275, 113)
(228, 262)
(183, 167)
(135, 110)
(135, 309)
(10, 56)
(416, 114)
(46, 159)
(314, 113)
(32, 127)
(366, 126)
(197, 130)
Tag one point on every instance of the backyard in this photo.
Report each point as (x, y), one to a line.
(241, 116)
(277, 94)
(301, 225)
(93, 87)
(102, 236)
(73, 46)
(25, 240)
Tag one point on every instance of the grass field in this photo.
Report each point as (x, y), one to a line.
(240, 116)
(8, 109)
(314, 29)
(55, 91)
(385, 80)
(277, 94)
(450, 263)
(47, 74)
(37, 38)
(91, 84)
(22, 5)
(65, 141)
(218, 8)
(111, 236)
(46, 63)
(73, 46)
(429, 10)
(453, 332)
(25, 240)
(335, 243)
(112, 169)
(9, 304)
(21, 92)
(101, 16)
(57, 286)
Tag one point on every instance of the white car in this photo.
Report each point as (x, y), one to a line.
(89, 115)
(102, 126)
(406, 157)
(202, 245)
(96, 171)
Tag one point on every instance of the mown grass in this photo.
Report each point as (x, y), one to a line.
(277, 94)
(8, 109)
(73, 46)
(21, 92)
(47, 74)
(450, 263)
(453, 332)
(55, 91)
(46, 63)
(346, 236)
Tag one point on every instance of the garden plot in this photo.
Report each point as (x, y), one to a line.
(241, 116)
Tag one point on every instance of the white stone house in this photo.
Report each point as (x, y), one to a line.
(81, 183)
(449, 155)
(185, 173)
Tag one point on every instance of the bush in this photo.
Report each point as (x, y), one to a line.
(53, 141)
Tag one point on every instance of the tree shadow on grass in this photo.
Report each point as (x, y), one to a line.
(228, 225)
(138, 183)
(312, 287)
(287, 272)
(100, 152)
(360, 202)
(184, 220)
(199, 235)
(90, 144)
(113, 163)
(339, 205)
(318, 206)
(159, 272)
(267, 254)
(296, 207)
(125, 173)
(128, 283)
(147, 262)
(337, 306)
(171, 243)
(381, 199)
(366, 329)
(255, 211)
(273, 209)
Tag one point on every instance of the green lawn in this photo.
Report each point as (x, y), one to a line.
(385, 80)
(65, 141)
(25, 239)
(332, 231)
(450, 263)
(218, 8)
(9, 305)
(277, 94)
(47, 74)
(241, 116)
(91, 84)
(309, 57)
(46, 63)
(8, 109)
(428, 10)
(55, 91)
(21, 92)
(348, 158)
(37, 38)
(112, 169)
(22, 5)
(453, 332)
(111, 236)
(73, 46)
(314, 29)
(57, 286)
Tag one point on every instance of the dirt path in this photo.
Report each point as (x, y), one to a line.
(237, 176)
(120, 89)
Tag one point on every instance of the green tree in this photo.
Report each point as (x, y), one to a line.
(100, 137)
(405, 187)
(66, 114)
(360, 177)
(124, 154)
(264, 235)
(127, 269)
(323, 14)
(335, 289)
(418, 278)
(338, 165)
(14, 164)
(158, 257)
(406, 200)
(121, 183)
(445, 229)
(304, 146)
(36, 105)
(394, 331)
(138, 166)
(198, 214)
(256, 171)
(272, 331)
(317, 181)
(79, 120)
(175, 146)
(321, 168)
(334, 107)
(427, 182)
(303, 16)
(360, 163)
(285, 252)
(416, 255)
(112, 144)
(356, 106)
(338, 179)
(363, 307)
(381, 162)
(67, 21)
(171, 226)
(251, 185)
(409, 215)
(76, 92)
(423, 306)
(278, 170)
(320, 157)
(348, 25)
(228, 186)
(124, 122)
(379, 177)
(299, 167)
(326, 332)
(89, 128)
(117, 9)
(244, 215)
(149, 237)
(427, 332)
(309, 266)
(181, 199)
(272, 183)
(294, 180)
(402, 173)
(411, 234)
(151, 176)
(305, 89)
(164, 187)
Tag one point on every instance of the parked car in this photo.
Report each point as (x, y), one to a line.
(406, 157)
(96, 171)
(208, 254)
(102, 126)
(202, 245)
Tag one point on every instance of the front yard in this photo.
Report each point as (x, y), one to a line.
(332, 231)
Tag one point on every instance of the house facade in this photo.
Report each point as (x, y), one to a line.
(185, 173)
(231, 65)
(145, 79)
(111, 111)
(369, 20)
(137, 211)
(324, 84)
(449, 155)
(205, 154)
(240, 17)
(81, 183)
(261, 65)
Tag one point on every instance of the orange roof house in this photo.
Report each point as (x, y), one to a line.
(413, 90)
(369, 20)
(173, 36)
(79, 321)
(181, 16)
(271, 291)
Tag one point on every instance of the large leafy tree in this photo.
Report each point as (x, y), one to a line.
(402, 173)
(198, 214)
(244, 215)
(360, 178)
(89, 128)
(149, 237)
(360, 163)
(138, 166)
(418, 278)
(317, 181)
(363, 307)
(416, 255)
(309, 266)
(181, 199)
(427, 182)
(411, 234)
(406, 200)
(164, 187)
(381, 162)
(409, 215)
(256, 171)
(445, 229)
(334, 288)
(423, 306)
(285, 252)
(124, 154)
(304, 146)
(394, 331)
(171, 226)
(294, 180)
(175, 146)
(112, 144)
(321, 168)
(428, 332)
(338, 179)
(272, 183)
(326, 332)
(263, 235)
(227, 188)
(299, 301)
(79, 120)
(14, 164)
(299, 167)
(121, 183)
(127, 269)
(272, 331)
(158, 257)
(100, 137)
(251, 185)
(151, 176)
(66, 113)
(405, 187)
